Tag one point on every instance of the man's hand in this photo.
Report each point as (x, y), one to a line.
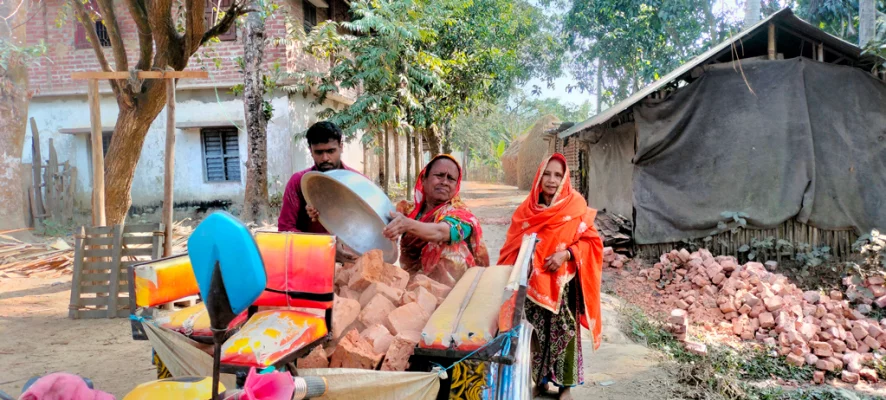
(554, 261)
(312, 213)
(399, 225)
(344, 254)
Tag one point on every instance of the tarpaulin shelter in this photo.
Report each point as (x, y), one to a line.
(790, 138)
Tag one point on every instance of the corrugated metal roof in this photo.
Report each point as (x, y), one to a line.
(785, 16)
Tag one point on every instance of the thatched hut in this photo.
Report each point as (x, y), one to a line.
(533, 149)
(509, 161)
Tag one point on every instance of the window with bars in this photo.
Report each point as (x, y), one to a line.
(81, 40)
(310, 19)
(221, 154)
(214, 11)
(106, 141)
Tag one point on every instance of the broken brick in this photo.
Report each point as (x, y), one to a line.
(849, 377)
(411, 317)
(774, 303)
(377, 310)
(380, 338)
(795, 360)
(375, 288)
(344, 313)
(824, 365)
(766, 320)
(821, 349)
(353, 351)
(397, 358)
(699, 349)
(317, 358)
(869, 375)
(818, 377)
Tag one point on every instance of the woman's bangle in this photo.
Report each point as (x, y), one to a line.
(571, 256)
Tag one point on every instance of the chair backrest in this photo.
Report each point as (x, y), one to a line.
(164, 280)
(300, 268)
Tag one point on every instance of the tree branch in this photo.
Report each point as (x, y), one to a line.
(145, 37)
(236, 10)
(166, 39)
(89, 27)
(109, 19)
(194, 15)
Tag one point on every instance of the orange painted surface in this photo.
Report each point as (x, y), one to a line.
(194, 321)
(164, 280)
(296, 262)
(270, 336)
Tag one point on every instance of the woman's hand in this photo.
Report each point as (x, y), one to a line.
(554, 261)
(312, 213)
(399, 225)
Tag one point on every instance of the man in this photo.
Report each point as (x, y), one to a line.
(325, 144)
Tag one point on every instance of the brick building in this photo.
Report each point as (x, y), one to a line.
(210, 143)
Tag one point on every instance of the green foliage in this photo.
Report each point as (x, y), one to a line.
(638, 41)
(10, 53)
(53, 228)
(420, 63)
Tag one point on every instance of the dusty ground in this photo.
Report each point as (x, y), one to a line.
(36, 337)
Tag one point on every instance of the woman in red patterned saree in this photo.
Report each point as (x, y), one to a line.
(564, 284)
(440, 236)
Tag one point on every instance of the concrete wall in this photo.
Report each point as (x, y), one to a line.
(286, 154)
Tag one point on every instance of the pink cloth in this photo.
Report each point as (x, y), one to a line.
(275, 385)
(62, 386)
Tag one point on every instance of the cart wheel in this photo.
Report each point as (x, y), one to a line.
(162, 372)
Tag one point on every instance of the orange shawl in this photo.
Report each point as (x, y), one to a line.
(566, 223)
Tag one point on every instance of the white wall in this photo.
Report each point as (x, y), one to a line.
(285, 155)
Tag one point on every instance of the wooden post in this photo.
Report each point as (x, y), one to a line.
(771, 52)
(114, 277)
(51, 183)
(820, 53)
(169, 173)
(36, 166)
(98, 157)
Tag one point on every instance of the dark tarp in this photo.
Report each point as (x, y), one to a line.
(809, 141)
(610, 170)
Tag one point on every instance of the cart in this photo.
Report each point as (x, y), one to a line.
(502, 368)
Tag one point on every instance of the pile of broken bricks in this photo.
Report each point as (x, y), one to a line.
(808, 328)
(613, 259)
(377, 316)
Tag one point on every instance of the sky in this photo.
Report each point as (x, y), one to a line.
(577, 97)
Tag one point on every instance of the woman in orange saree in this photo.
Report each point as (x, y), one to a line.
(564, 283)
(440, 236)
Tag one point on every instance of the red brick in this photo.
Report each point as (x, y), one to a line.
(859, 332)
(344, 313)
(811, 359)
(390, 293)
(874, 329)
(411, 317)
(871, 342)
(818, 377)
(426, 300)
(437, 289)
(836, 295)
(774, 303)
(838, 345)
(881, 302)
(821, 349)
(678, 317)
(654, 274)
(397, 358)
(343, 274)
(869, 375)
(681, 304)
(353, 351)
(766, 320)
(838, 363)
(317, 358)
(380, 338)
(699, 349)
(849, 377)
(370, 268)
(376, 310)
(824, 365)
(795, 360)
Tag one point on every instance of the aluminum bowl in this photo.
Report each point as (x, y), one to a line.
(352, 208)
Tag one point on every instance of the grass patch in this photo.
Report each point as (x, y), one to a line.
(726, 373)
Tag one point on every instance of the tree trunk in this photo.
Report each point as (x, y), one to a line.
(867, 21)
(751, 13)
(383, 160)
(409, 170)
(396, 138)
(417, 153)
(255, 202)
(13, 116)
(447, 138)
(464, 162)
(433, 139)
(712, 22)
(599, 84)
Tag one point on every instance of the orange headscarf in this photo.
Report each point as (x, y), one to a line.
(567, 223)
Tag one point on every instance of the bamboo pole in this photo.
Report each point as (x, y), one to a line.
(820, 53)
(771, 51)
(98, 157)
(169, 167)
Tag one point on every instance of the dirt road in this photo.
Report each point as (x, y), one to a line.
(36, 337)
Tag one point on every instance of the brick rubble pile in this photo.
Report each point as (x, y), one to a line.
(808, 328)
(378, 314)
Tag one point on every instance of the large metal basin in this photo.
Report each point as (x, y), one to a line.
(352, 208)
